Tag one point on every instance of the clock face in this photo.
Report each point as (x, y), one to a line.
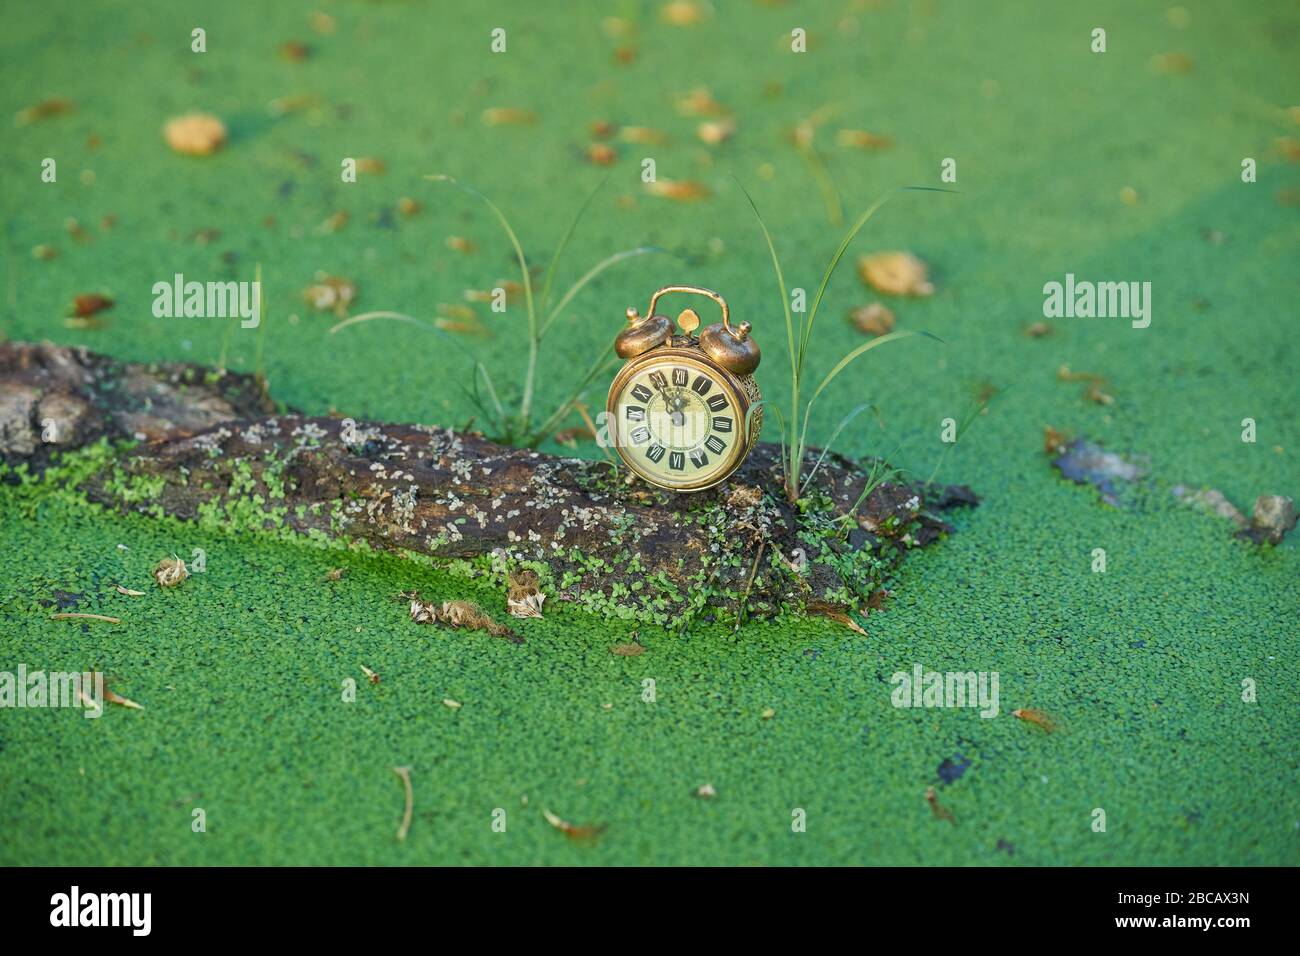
(680, 422)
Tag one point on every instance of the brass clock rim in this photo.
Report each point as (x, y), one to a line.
(689, 356)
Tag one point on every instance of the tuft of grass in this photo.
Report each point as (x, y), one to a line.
(794, 431)
(516, 426)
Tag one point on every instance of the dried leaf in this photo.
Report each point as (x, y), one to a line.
(627, 650)
(834, 613)
(335, 222)
(895, 273)
(458, 614)
(196, 134)
(768, 713)
(70, 615)
(1053, 441)
(580, 834)
(1033, 716)
(873, 319)
(121, 701)
(45, 109)
(170, 572)
(861, 139)
(940, 811)
(91, 303)
(744, 496)
(128, 592)
(715, 132)
(335, 574)
(681, 13)
(1171, 63)
(643, 135)
(524, 597)
(683, 191)
(1036, 330)
(294, 51)
(451, 704)
(699, 102)
(601, 154)
(507, 116)
(370, 675)
(330, 294)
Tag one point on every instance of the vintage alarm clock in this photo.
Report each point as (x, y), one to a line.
(685, 409)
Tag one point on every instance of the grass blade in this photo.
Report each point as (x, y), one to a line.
(834, 435)
(861, 221)
(567, 405)
(530, 375)
(789, 335)
(545, 297)
(591, 274)
(845, 362)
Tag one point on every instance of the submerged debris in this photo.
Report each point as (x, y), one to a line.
(1086, 463)
(1212, 500)
(1272, 517)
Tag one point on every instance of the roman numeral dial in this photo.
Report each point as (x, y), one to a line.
(678, 421)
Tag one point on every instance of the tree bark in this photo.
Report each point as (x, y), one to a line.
(212, 447)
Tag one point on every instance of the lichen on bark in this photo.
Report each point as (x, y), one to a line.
(216, 452)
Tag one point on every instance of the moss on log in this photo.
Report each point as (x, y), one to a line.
(211, 448)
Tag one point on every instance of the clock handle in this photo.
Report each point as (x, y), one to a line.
(697, 290)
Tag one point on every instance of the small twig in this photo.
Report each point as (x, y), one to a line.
(753, 573)
(405, 774)
(85, 617)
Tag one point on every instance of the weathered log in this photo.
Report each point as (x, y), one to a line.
(212, 449)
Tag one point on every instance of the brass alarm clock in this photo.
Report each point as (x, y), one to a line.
(681, 406)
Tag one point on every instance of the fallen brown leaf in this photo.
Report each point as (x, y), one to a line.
(195, 134)
(170, 572)
(895, 273)
(580, 834)
(91, 303)
(45, 109)
(940, 811)
(683, 191)
(1033, 716)
(873, 319)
